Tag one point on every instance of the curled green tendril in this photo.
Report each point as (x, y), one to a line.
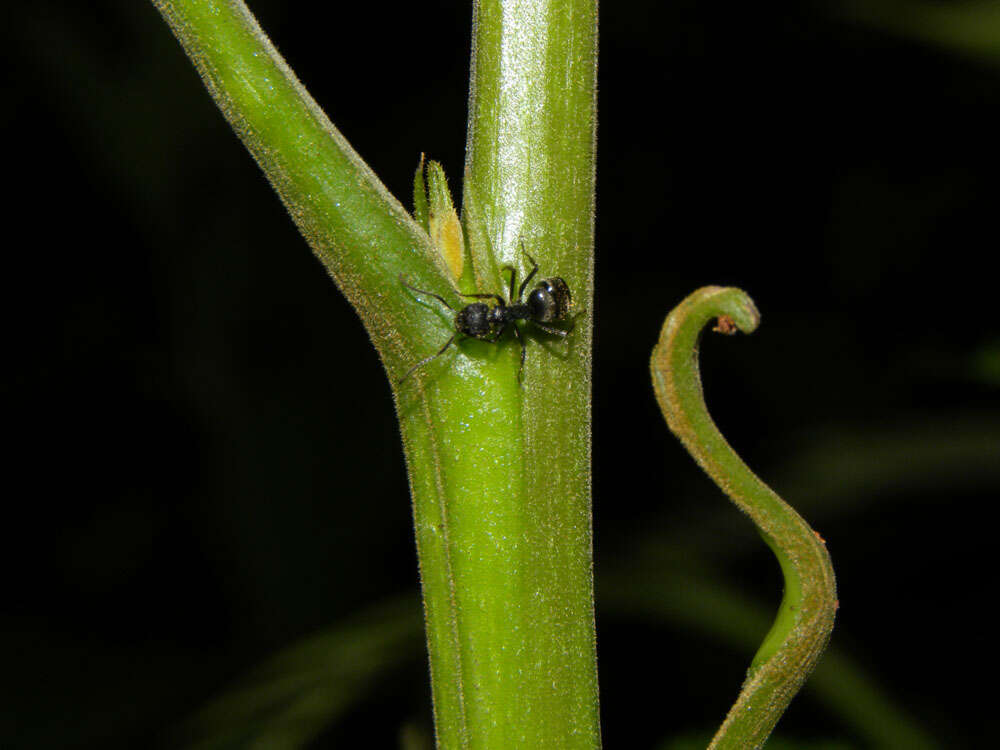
(802, 628)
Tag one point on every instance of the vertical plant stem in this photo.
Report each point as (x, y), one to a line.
(802, 627)
(504, 525)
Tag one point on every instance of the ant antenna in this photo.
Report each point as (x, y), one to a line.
(438, 297)
(448, 343)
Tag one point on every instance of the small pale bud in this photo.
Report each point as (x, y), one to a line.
(444, 226)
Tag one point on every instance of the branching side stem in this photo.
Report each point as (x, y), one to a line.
(802, 627)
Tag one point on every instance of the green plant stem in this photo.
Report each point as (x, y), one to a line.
(707, 607)
(805, 618)
(502, 493)
(499, 473)
(362, 234)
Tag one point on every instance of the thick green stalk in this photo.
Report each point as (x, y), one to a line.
(508, 503)
(802, 628)
(499, 472)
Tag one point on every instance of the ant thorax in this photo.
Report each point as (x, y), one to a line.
(478, 320)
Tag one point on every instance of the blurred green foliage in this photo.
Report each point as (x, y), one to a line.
(968, 28)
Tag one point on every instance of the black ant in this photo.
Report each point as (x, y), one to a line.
(548, 302)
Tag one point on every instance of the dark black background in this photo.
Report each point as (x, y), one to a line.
(202, 463)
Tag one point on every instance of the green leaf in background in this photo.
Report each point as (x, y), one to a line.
(986, 364)
(971, 29)
(295, 695)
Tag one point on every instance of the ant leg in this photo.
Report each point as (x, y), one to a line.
(438, 297)
(425, 360)
(524, 351)
(572, 321)
(561, 332)
(554, 331)
(513, 275)
(495, 337)
(528, 278)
